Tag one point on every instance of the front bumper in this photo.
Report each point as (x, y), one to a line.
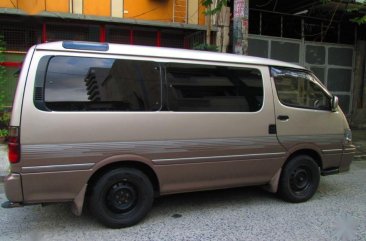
(348, 153)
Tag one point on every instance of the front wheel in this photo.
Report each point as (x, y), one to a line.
(121, 197)
(299, 179)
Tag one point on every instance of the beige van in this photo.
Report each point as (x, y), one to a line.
(117, 125)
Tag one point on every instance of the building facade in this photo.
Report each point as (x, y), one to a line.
(166, 23)
(323, 39)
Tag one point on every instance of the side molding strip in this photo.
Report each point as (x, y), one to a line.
(58, 168)
(333, 151)
(214, 158)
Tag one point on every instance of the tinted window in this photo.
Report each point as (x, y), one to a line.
(299, 89)
(214, 88)
(88, 84)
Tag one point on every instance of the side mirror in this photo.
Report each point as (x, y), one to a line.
(334, 103)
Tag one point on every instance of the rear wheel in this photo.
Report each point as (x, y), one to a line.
(299, 179)
(121, 197)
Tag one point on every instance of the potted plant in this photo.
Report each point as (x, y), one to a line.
(4, 115)
(3, 135)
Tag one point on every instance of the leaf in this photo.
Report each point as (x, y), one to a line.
(219, 6)
(359, 20)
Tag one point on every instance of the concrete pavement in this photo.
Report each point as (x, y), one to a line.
(359, 139)
(4, 163)
(336, 212)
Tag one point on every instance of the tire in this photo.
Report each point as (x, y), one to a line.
(121, 197)
(299, 179)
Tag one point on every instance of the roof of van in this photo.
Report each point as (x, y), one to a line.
(162, 52)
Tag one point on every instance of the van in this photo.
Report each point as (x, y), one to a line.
(115, 126)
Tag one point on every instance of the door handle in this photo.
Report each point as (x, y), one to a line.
(283, 117)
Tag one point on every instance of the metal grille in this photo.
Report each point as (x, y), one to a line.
(331, 63)
(145, 37)
(57, 32)
(19, 36)
(173, 39)
(118, 35)
(195, 39)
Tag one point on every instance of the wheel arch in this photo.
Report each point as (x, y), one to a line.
(272, 186)
(300, 176)
(308, 152)
(145, 168)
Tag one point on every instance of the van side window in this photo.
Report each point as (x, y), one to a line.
(299, 89)
(99, 84)
(209, 88)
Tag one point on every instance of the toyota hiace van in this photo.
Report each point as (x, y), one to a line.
(118, 125)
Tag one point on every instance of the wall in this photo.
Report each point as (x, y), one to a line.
(159, 10)
(152, 10)
(97, 8)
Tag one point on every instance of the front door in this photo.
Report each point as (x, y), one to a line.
(304, 118)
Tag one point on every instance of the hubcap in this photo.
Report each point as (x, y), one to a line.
(121, 197)
(300, 179)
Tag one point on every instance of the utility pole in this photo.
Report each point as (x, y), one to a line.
(240, 26)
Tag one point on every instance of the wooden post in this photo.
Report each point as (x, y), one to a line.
(208, 22)
(223, 23)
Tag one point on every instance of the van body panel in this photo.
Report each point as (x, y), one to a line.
(186, 150)
(164, 140)
(177, 178)
(13, 187)
(53, 186)
(18, 98)
(323, 131)
(349, 151)
(180, 55)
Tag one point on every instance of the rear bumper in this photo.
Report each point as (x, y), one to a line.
(13, 187)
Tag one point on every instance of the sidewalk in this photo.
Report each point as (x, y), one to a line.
(4, 163)
(359, 139)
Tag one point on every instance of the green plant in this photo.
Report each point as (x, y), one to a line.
(4, 124)
(4, 132)
(211, 11)
(4, 116)
(2, 73)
